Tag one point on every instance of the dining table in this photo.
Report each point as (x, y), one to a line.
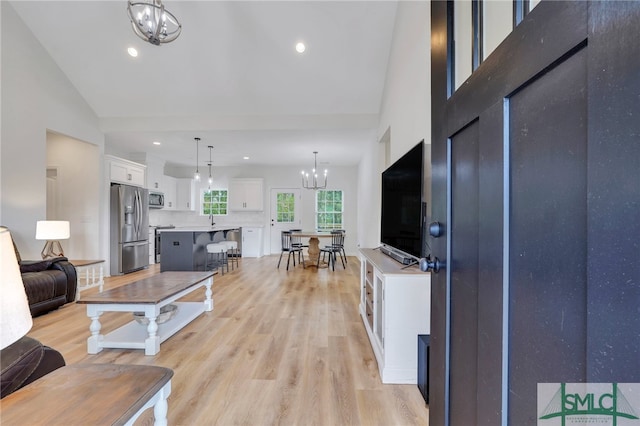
(314, 244)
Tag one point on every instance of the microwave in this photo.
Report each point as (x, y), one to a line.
(156, 200)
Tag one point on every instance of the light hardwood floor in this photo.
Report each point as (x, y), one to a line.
(278, 348)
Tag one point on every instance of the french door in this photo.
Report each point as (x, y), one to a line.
(535, 180)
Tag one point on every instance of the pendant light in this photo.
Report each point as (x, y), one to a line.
(210, 177)
(196, 175)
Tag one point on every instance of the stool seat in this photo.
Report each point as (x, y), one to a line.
(216, 248)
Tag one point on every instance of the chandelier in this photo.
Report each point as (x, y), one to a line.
(313, 182)
(152, 23)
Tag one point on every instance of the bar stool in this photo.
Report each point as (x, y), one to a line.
(232, 253)
(220, 252)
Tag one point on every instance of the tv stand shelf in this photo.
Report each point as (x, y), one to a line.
(395, 305)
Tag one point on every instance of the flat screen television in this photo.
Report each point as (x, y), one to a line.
(403, 208)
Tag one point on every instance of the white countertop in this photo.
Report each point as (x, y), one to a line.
(200, 228)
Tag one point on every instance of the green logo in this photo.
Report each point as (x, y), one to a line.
(586, 403)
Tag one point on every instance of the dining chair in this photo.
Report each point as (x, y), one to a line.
(337, 246)
(296, 241)
(289, 249)
(342, 245)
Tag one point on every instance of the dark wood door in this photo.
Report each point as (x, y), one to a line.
(535, 178)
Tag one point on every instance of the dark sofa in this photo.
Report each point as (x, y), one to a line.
(49, 283)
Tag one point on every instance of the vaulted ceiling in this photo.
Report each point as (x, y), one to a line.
(232, 78)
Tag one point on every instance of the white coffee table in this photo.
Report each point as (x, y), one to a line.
(148, 295)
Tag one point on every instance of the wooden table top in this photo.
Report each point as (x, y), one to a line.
(311, 234)
(150, 290)
(87, 394)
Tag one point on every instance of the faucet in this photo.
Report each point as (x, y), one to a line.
(211, 218)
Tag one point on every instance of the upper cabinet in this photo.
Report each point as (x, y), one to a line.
(125, 171)
(169, 189)
(246, 194)
(155, 174)
(185, 194)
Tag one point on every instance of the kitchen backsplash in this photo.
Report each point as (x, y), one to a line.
(158, 217)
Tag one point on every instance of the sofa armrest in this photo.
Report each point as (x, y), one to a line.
(62, 264)
(24, 361)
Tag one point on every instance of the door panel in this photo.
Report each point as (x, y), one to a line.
(548, 134)
(464, 275)
(285, 215)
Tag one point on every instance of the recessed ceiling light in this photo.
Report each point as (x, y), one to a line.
(156, 143)
(245, 158)
(132, 52)
(300, 47)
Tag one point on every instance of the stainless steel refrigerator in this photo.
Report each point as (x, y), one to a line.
(129, 225)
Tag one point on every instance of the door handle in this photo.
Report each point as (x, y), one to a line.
(426, 264)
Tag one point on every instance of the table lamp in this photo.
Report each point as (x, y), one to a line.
(52, 231)
(15, 317)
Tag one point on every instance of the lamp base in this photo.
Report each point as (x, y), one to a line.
(52, 249)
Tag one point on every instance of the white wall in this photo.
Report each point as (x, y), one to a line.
(406, 103)
(36, 97)
(76, 163)
(343, 178)
(405, 113)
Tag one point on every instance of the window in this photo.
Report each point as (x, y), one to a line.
(329, 210)
(213, 202)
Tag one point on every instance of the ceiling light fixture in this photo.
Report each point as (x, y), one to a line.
(300, 47)
(152, 22)
(210, 177)
(245, 158)
(132, 52)
(196, 175)
(157, 143)
(314, 176)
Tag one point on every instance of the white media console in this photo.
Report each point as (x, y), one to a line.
(395, 305)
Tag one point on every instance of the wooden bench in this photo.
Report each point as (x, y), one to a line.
(91, 394)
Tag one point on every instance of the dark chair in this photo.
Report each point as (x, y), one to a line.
(290, 249)
(343, 253)
(296, 241)
(337, 246)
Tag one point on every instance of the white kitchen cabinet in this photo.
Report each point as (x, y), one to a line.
(246, 194)
(155, 175)
(395, 305)
(169, 189)
(251, 242)
(185, 194)
(125, 171)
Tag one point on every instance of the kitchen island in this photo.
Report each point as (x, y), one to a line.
(185, 249)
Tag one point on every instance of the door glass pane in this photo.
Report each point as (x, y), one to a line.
(285, 208)
(463, 38)
(498, 23)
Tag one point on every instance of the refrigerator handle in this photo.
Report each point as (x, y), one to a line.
(137, 220)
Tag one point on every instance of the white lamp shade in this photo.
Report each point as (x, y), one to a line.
(15, 317)
(52, 230)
